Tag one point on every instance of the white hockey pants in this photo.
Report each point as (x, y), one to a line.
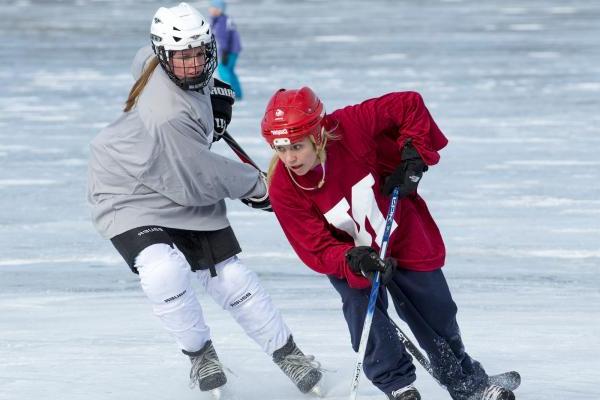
(166, 278)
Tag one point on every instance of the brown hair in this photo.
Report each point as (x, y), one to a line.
(140, 84)
(321, 153)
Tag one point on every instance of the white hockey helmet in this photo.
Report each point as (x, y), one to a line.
(179, 28)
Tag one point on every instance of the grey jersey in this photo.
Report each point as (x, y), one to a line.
(153, 165)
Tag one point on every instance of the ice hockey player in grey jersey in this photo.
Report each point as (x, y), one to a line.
(157, 192)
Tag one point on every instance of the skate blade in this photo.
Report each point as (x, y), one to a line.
(216, 394)
(222, 393)
(317, 391)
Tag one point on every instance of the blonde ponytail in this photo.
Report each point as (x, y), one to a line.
(271, 169)
(140, 84)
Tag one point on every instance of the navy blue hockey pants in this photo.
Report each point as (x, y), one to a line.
(424, 302)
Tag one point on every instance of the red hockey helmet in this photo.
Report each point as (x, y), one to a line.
(292, 115)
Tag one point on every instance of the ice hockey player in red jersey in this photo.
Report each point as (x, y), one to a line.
(330, 182)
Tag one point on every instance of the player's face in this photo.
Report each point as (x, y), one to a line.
(299, 157)
(214, 11)
(188, 63)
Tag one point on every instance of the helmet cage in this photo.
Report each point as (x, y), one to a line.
(192, 82)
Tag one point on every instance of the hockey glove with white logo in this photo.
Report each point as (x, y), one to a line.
(260, 203)
(365, 260)
(408, 174)
(222, 98)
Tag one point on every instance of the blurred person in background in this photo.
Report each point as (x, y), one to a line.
(229, 45)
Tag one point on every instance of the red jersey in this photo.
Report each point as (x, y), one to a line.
(349, 209)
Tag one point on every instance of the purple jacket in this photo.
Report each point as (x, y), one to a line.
(226, 35)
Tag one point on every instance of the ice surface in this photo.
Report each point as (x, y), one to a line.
(514, 85)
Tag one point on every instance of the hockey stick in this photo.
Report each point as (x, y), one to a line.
(244, 157)
(412, 349)
(364, 338)
(237, 149)
(509, 380)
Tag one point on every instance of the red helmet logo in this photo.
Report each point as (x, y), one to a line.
(292, 115)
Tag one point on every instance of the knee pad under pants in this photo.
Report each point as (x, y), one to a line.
(165, 277)
(238, 290)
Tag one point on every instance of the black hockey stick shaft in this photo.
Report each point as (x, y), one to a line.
(395, 290)
(238, 150)
(510, 380)
(412, 349)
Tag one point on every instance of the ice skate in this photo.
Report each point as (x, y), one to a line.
(406, 393)
(207, 371)
(303, 370)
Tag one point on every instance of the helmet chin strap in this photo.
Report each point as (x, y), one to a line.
(319, 185)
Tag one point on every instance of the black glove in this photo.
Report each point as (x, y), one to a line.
(224, 58)
(259, 203)
(365, 260)
(408, 174)
(264, 204)
(222, 98)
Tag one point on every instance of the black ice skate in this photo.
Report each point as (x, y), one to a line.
(207, 371)
(303, 370)
(406, 393)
